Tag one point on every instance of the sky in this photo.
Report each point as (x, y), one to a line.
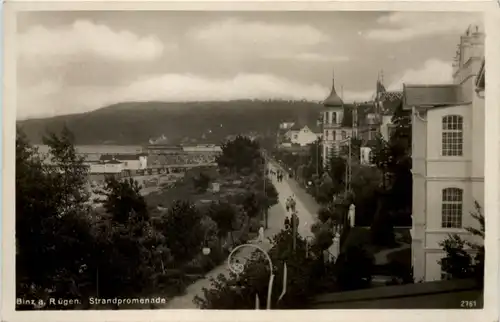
(74, 62)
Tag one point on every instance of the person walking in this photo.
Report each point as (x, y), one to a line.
(292, 204)
(287, 223)
(288, 204)
(261, 234)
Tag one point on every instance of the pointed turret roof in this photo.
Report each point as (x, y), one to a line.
(333, 100)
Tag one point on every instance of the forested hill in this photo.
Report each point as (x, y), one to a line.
(136, 123)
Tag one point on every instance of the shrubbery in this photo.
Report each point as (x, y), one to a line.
(66, 249)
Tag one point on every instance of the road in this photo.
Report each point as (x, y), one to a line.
(277, 215)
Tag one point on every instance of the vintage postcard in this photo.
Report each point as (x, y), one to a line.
(179, 161)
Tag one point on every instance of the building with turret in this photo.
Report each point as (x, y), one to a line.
(447, 156)
(335, 127)
(364, 120)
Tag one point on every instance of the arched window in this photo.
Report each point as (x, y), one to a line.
(334, 135)
(343, 135)
(451, 208)
(334, 117)
(452, 139)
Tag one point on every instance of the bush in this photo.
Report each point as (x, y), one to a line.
(354, 268)
(238, 292)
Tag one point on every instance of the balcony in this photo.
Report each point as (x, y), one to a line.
(332, 125)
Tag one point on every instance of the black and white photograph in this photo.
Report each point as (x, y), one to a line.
(249, 160)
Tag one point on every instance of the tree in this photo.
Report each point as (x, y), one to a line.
(201, 182)
(123, 199)
(68, 171)
(336, 168)
(365, 183)
(181, 226)
(382, 228)
(223, 214)
(238, 292)
(53, 241)
(354, 268)
(458, 262)
(239, 154)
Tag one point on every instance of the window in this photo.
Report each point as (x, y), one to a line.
(452, 140)
(343, 135)
(334, 136)
(451, 208)
(334, 117)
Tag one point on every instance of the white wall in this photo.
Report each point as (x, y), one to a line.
(106, 168)
(304, 137)
(384, 127)
(143, 160)
(202, 148)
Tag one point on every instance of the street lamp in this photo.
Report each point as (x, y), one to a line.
(349, 166)
(238, 268)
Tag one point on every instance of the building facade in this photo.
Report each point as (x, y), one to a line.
(334, 129)
(304, 135)
(447, 155)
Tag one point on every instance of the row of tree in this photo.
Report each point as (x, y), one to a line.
(68, 249)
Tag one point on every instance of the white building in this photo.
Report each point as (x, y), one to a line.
(127, 161)
(200, 148)
(448, 155)
(107, 167)
(335, 130)
(304, 134)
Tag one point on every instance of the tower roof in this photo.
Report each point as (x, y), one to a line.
(333, 100)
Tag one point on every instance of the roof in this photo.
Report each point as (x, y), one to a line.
(312, 125)
(429, 295)
(333, 99)
(431, 95)
(124, 157)
(113, 162)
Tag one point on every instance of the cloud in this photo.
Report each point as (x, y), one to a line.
(310, 57)
(401, 26)
(243, 37)
(57, 99)
(433, 71)
(85, 38)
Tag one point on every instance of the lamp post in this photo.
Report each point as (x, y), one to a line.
(349, 166)
(238, 268)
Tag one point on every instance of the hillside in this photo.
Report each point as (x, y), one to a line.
(136, 123)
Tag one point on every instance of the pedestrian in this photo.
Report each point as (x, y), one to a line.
(261, 234)
(287, 222)
(292, 204)
(288, 204)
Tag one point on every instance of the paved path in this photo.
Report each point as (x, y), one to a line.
(381, 258)
(288, 188)
(276, 219)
